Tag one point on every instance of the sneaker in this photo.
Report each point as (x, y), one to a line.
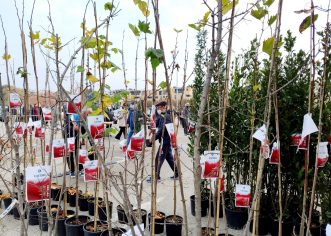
(149, 179)
(175, 177)
(72, 174)
(81, 173)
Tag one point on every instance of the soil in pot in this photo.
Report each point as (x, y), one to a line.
(116, 232)
(122, 218)
(236, 218)
(83, 201)
(158, 222)
(204, 205)
(89, 229)
(74, 226)
(205, 231)
(102, 211)
(264, 225)
(90, 203)
(33, 214)
(174, 225)
(55, 191)
(60, 229)
(143, 216)
(7, 201)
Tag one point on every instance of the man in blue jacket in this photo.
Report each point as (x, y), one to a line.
(164, 152)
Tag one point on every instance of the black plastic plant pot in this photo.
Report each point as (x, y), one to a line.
(264, 225)
(42, 216)
(204, 205)
(143, 216)
(89, 230)
(102, 211)
(16, 212)
(33, 214)
(72, 199)
(90, 203)
(236, 218)
(122, 218)
(83, 203)
(287, 227)
(220, 215)
(158, 222)
(116, 232)
(74, 226)
(55, 192)
(7, 202)
(61, 229)
(174, 225)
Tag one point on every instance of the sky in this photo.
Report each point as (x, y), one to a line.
(67, 17)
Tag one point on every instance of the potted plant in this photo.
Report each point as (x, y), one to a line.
(90, 203)
(159, 218)
(33, 214)
(6, 200)
(174, 225)
(122, 218)
(72, 196)
(60, 229)
(205, 193)
(83, 201)
(42, 216)
(102, 211)
(89, 229)
(55, 191)
(116, 232)
(74, 225)
(142, 213)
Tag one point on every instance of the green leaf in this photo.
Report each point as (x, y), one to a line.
(267, 45)
(115, 50)
(256, 87)
(272, 19)
(35, 36)
(143, 6)
(110, 131)
(195, 26)
(163, 85)
(259, 13)
(144, 27)
(268, 2)
(134, 30)
(155, 62)
(306, 23)
(6, 57)
(177, 31)
(80, 69)
(92, 79)
(92, 43)
(114, 69)
(227, 6)
(205, 18)
(108, 6)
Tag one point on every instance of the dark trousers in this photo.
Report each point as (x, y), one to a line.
(166, 154)
(71, 160)
(185, 125)
(122, 131)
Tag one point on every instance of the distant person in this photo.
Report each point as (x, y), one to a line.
(122, 121)
(72, 128)
(184, 118)
(130, 122)
(164, 151)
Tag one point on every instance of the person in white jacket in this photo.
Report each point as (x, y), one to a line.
(122, 121)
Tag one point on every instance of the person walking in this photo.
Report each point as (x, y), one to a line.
(130, 122)
(121, 121)
(184, 118)
(72, 129)
(164, 151)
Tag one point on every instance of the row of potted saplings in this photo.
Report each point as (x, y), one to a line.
(68, 225)
(237, 217)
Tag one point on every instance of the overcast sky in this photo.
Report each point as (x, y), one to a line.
(67, 16)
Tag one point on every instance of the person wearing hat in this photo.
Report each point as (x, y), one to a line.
(164, 152)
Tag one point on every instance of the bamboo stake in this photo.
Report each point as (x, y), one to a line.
(267, 111)
(225, 104)
(310, 104)
(320, 123)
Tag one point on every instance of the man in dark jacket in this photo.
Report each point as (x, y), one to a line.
(164, 152)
